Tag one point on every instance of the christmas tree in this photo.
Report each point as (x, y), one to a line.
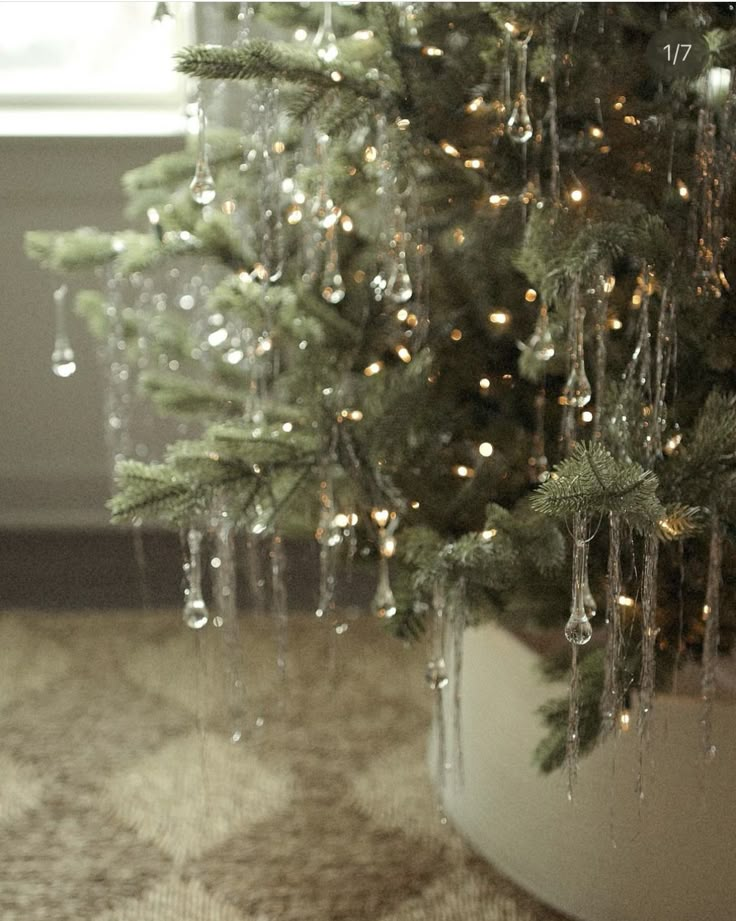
(449, 281)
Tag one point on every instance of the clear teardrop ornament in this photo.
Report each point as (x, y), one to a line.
(324, 41)
(202, 185)
(195, 614)
(578, 629)
(436, 674)
(399, 287)
(589, 603)
(63, 362)
(519, 127)
(384, 602)
(578, 391)
(333, 286)
(541, 342)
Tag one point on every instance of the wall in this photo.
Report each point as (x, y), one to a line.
(54, 469)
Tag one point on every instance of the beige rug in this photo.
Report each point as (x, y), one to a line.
(123, 799)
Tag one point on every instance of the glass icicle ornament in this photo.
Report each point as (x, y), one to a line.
(63, 363)
(649, 632)
(399, 288)
(202, 186)
(384, 602)
(437, 676)
(279, 600)
(519, 127)
(333, 287)
(577, 392)
(711, 616)
(578, 630)
(195, 614)
(324, 40)
(226, 619)
(541, 342)
(612, 696)
(329, 536)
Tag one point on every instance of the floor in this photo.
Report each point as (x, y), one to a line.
(124, 798)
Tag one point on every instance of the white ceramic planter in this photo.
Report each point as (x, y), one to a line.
(607, 856)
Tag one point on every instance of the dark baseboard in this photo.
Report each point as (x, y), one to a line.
(99, 569)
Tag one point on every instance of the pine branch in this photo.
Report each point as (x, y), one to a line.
(268, 61)
(592, 482)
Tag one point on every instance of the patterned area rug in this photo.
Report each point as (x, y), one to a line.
(122, 797)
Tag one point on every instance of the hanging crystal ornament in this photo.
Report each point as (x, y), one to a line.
(457, 618)
(399, 288)
(711, 616)
(195, 614)
(279, 600)
(577, 392)
(605, 285)
(437, 676)
(664, 364)
(63, 363)
(324, 42)
(333, 287)
(329, 534)
(519, 127)
(578, 632)
(384, 602)
(649, 632)
(554, 132)
(612, 696)
(226, 619)
(202, 186)
(541, 342)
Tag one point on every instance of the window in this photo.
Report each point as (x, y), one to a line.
(100, 67)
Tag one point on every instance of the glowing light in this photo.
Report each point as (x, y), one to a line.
(341, 521)
(294, 215)
(489, 534)
(278, 147)
(346, 223)
(363, 35)
(609, 283)
(510, 28)
(218, 337)
(412, 320)
(619, 103)
(706, 611)
(683, 190)
(463, 472)
(432, 51)
(636, 299)
(402, 314)
(495, 200)
(672, 443)
(485, 449)
(474, 104)
(596, 132)
(577, 195)
(403, 353)
(498, 317)
(415, 504)
(228, 207)
(402, 123)
(370, 154)
(449, 149)
(456, 335)
(624, 720)
(586, 415)
(474, 164)
(631, 120)
(354, 415)
(388, 547)
(300, 35)
(153, 216)
(458, 235)
(373, 368)
(530, 295)
(484, 383)
(625, 601)
(287, 427)
(615, 323)
(380, 516)
(336, 76)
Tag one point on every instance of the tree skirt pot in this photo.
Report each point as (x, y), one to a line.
(607, 856)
